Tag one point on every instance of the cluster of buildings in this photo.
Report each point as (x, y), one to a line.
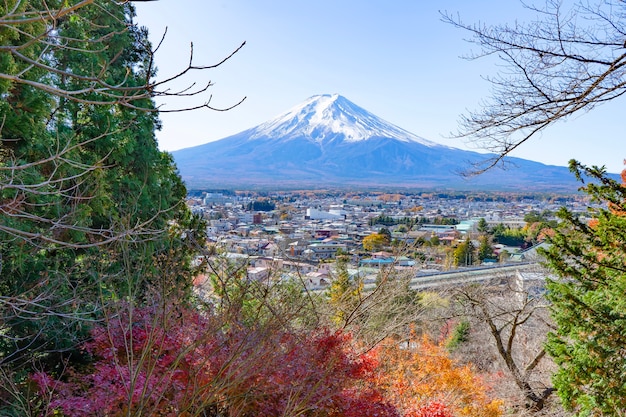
(303, 234)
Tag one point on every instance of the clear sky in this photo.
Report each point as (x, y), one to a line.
(396, 59)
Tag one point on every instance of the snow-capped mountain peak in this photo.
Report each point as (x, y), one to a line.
(329, 141)
(332, 117)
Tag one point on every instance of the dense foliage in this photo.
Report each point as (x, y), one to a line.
(171, 361)
(464, 253)
(261, 205)
(421, 378)
(90, 210)
(590, 298)
(375, 241)
(184, 362)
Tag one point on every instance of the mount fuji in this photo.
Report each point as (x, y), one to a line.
(328, 141)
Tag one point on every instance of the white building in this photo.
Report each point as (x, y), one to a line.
(314, 214)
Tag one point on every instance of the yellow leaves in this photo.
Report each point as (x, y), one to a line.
(374, 241)
(433, 300)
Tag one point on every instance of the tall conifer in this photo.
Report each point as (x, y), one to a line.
(90, 209)
(589, 299)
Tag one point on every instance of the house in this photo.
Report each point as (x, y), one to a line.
(317, 279)
(530, 254)
(323, 250)
(258, 273)
(326, 233)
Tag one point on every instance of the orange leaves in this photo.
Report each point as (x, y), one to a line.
(416, 373)
(619, 209)
(545, 233)
(172, 361)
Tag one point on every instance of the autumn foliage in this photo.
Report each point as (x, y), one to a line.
(170, 361)
(433, 409)
(175, 361)
(374, 241)
(421, 379)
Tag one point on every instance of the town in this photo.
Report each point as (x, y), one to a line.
(299, 234)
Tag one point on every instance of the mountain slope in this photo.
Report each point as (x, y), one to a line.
(329, 141)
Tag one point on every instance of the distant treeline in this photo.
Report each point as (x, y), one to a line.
(201, 193)
(474, 196)
(263, 205)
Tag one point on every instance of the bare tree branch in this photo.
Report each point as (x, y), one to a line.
(84, 86)
(507, 314)
(566, 62)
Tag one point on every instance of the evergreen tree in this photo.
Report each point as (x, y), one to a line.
(386, 234)
(90, 209)
(344, 293)
(485, 251)
(464, 253)
(589, 299)
(482, 226)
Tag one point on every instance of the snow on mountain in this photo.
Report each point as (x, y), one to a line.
(329, 141)
(329, 117)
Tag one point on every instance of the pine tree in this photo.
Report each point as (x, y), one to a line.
(344, 293)
(482, 226)
(589, 299)
(485, 251)
(90, 209)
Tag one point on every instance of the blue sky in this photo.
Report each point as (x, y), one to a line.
(396, 59)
